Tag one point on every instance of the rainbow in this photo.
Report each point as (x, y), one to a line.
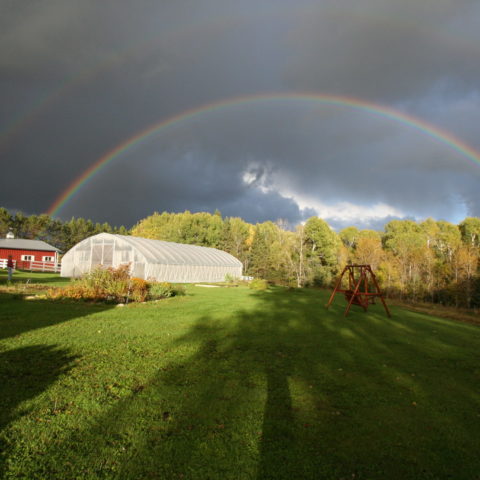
(328, 100)
(45, 101)
(69, 84)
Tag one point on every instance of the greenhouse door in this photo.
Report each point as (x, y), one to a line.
(102, 254)
(96, 255)
(107, 255)
(139, 270)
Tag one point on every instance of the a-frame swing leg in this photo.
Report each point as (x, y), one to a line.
(380, 294)
(354, 294)
(336, 288)
(351, 279)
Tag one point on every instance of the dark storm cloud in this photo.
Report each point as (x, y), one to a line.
(78, 78)
(385, 50)
(209, 164)
(178, 181)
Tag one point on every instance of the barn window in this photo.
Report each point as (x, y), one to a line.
(27, 258)
(47, 259)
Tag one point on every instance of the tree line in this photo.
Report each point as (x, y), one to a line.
(434, 261)
(63, 235)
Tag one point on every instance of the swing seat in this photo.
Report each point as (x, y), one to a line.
(348, 296)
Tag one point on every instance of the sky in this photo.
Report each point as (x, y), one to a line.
(214, 104)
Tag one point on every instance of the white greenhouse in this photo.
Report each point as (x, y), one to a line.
(150, 259)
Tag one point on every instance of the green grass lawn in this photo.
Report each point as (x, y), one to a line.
(234, 384)
(24, 277)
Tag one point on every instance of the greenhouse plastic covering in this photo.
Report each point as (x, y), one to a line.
(150, 259)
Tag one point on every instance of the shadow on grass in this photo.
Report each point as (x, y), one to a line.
(18, 315)
(24, 374)
(27, 372)
(285, 389)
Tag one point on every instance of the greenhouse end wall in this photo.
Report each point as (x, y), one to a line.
(150, 259)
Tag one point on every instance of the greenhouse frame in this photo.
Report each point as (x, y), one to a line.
(150, 259)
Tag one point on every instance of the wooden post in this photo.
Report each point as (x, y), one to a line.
(380, 293)
(339, 281)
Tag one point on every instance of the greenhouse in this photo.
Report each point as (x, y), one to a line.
(150, 259)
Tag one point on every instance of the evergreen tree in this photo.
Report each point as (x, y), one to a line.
(6, 222)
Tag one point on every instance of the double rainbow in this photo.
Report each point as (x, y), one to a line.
(389, 113)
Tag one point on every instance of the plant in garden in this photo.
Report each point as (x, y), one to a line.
(138, 289)
(101, 284)
(258, 284)
(229, 278)
(165, 290)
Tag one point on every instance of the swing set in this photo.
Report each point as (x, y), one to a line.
(360, 278)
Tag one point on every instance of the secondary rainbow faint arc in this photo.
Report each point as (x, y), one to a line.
(21, 120)
(332, 100)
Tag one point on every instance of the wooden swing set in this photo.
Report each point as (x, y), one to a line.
(360, 278)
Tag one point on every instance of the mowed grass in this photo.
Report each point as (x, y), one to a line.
(25, 278)
(226, 383)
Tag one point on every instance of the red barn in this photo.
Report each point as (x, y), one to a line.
(28, 254)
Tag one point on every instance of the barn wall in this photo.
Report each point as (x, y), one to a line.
(17, 256)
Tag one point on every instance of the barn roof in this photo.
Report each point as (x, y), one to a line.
(24, 244)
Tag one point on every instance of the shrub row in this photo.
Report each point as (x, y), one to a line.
(114, 285)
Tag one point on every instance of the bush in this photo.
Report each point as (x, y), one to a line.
(101, 284)
(229, 278)
(138, 289)
(180, 290)
(292, 285)
(258, 284)
(322, 277)
(165, 290)
(231, 281)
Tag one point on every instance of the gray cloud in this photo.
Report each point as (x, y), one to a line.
(385, 51)
(79, 78)
(378, 224)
